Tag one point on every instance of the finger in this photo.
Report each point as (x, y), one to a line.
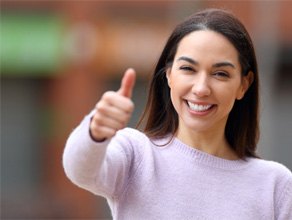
(116, 114)
(111, 100)
(128, 83)
(104, 121)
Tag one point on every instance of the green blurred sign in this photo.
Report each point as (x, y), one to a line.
(30, 44)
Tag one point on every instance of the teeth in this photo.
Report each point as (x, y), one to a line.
(199, 108)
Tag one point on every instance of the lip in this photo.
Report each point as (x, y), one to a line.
(202, 111)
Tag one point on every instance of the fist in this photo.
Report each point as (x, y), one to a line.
(114, 109)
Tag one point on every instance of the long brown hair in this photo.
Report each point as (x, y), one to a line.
(242, 129)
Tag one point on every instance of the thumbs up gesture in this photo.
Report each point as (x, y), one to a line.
(114, 109)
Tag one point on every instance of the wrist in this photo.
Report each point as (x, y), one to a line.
(96, 139)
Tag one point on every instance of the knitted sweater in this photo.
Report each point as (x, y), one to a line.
(168, 180)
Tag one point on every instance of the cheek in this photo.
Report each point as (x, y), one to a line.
(176, 93)
(228, 99)
(178, 89)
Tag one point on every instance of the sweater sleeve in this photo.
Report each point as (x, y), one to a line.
(284, 203)
(101, 168)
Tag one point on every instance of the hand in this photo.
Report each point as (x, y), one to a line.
(114, 109)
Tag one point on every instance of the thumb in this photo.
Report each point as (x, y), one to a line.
(128, 83)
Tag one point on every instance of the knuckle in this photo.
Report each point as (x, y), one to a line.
(107, 96)
(129, 110)
(131, 106)
(97, 119)
(101, 107)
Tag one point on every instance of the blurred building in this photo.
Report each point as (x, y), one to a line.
(58, 57)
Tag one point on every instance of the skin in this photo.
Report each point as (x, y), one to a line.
(114, 109)
(206, 71)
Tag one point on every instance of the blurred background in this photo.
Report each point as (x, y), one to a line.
(58, 57)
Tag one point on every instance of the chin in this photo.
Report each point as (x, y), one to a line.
(199, 128)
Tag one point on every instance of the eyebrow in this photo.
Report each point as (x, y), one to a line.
(222, 64)
(189, 60)
(216, 65)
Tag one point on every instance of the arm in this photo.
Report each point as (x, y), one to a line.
(83, 157)
(284, 204)
(88, 161)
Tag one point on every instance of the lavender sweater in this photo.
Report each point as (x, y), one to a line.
(141, 180)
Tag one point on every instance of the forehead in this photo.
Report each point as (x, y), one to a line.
(205, 44)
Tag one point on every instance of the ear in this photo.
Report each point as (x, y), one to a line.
(168, 72)
(245, 83)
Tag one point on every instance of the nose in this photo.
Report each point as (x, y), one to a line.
(201, 87)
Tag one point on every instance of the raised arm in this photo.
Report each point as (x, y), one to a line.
(85, 151)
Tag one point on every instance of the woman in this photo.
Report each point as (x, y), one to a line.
(196, 158)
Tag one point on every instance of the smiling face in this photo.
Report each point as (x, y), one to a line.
(205, 80)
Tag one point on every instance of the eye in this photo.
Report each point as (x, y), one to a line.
(186, 68)
(221, 75)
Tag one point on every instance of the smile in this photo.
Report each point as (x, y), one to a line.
(199, 108)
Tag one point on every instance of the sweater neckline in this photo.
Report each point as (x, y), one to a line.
(206, 159)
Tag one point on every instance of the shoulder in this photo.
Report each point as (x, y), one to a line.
(279, 178)
(274, 179)
(270, 168)
(276, 176)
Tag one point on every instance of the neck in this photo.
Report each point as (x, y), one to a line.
(211, 142)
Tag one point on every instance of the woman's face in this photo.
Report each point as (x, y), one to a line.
(205, 80)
